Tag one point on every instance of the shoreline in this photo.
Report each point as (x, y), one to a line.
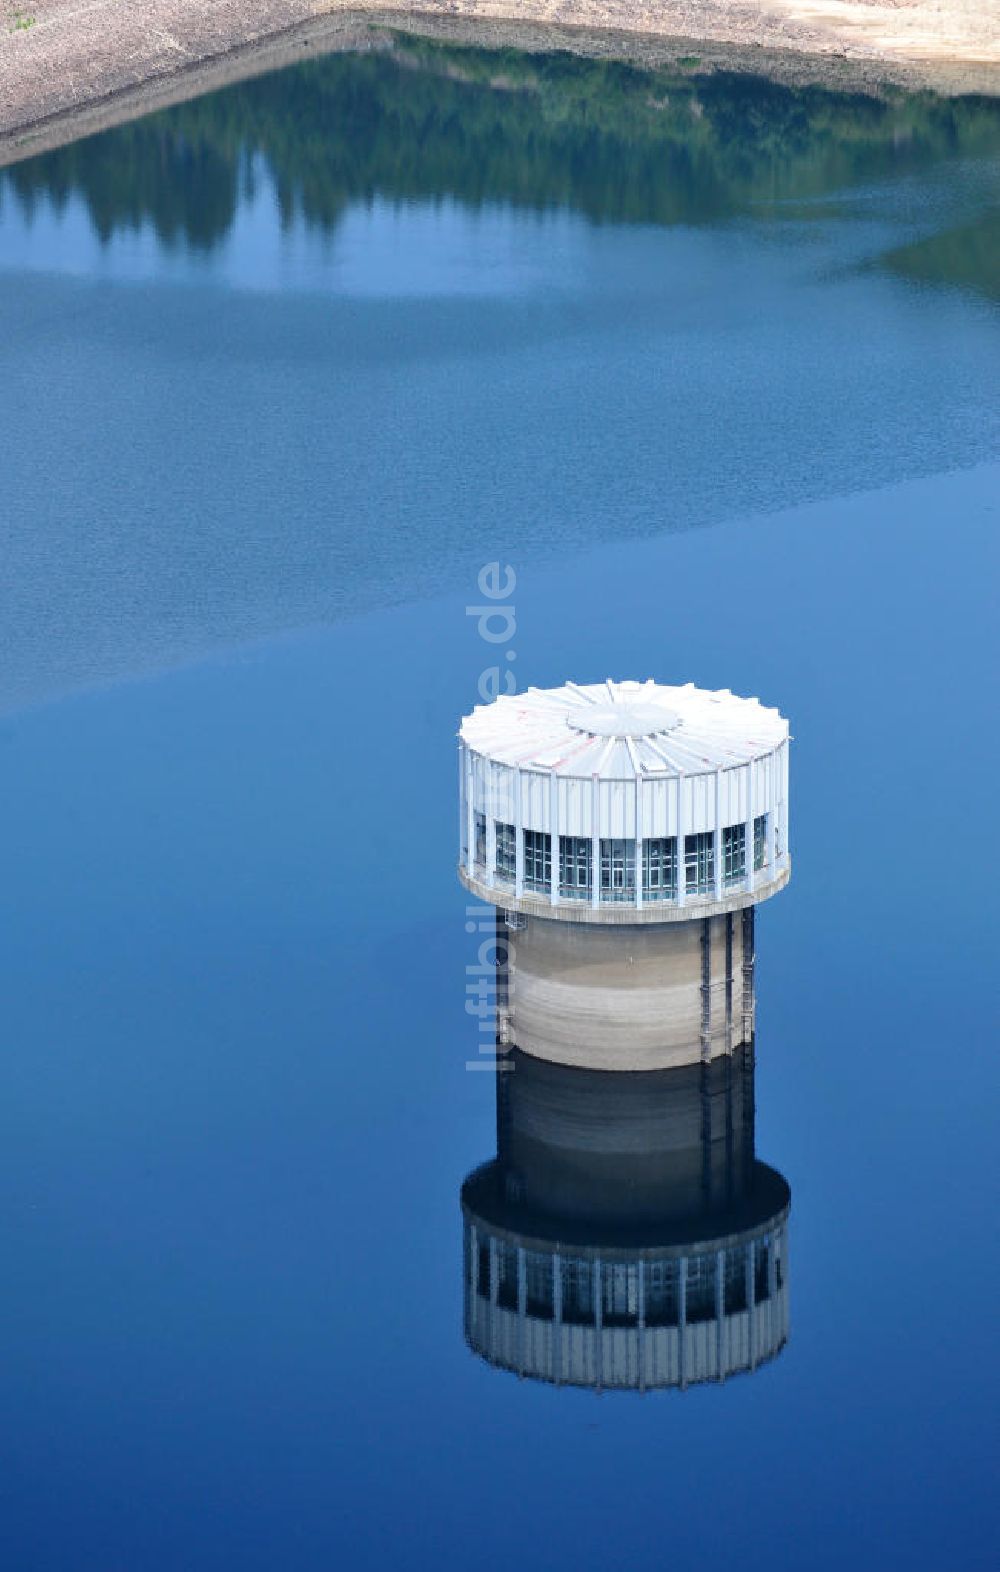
(69, 68)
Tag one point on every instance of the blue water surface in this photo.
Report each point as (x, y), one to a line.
(246, 494)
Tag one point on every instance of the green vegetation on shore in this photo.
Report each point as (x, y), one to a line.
(412, 119)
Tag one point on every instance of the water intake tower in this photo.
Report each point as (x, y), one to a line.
(625, 832)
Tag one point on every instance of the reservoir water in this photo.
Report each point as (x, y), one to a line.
(712, 364)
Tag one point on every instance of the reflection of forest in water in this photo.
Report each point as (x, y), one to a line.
(603, 138)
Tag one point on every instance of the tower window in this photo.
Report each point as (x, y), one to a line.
(659, 868)
(538, 1284)
(734, 852)
(506, 852)
(699, 863)
(735, 1289)
(483, 1269)
(506, 1275)
(574, 867)
(577, 1292)
(537, 860)
(760, 841)
(760, 1283)
(620, 1293)
(479, 828)
(617, 870)
(662, 1304)
(700, 1301)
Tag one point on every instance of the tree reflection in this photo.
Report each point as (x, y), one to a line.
(416, 120)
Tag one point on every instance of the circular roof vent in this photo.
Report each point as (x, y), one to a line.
(622, 719)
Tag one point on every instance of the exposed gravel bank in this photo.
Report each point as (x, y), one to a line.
(68, 67)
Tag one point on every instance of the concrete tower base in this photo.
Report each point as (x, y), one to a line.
(654, 997)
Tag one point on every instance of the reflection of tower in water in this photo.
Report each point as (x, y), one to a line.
(625, 1236)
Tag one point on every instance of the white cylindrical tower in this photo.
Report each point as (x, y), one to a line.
(624, 802)
(620, 829)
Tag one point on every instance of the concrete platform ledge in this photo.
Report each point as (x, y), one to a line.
(615, 915)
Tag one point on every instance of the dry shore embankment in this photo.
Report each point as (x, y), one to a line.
(69, 67)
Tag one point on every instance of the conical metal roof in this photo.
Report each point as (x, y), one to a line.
(623, 730)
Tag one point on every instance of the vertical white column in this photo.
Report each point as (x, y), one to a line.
(494, 1294)
(522, 1306)
(682, 1320)
(718, 835)
(462, 820)
(783, 1266)
(474, 1270)
(557, 1320)
(595, 843)
(641, 1327)
(470, 833)
(720, 1314)
(786, 843)
(638, 839)
(751, 1307)
(518, 836)
(491, 823)
(598, 1288)
(771, 1311)
(554, 837)
(749, 829)
(774, 775)
(681, 876)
